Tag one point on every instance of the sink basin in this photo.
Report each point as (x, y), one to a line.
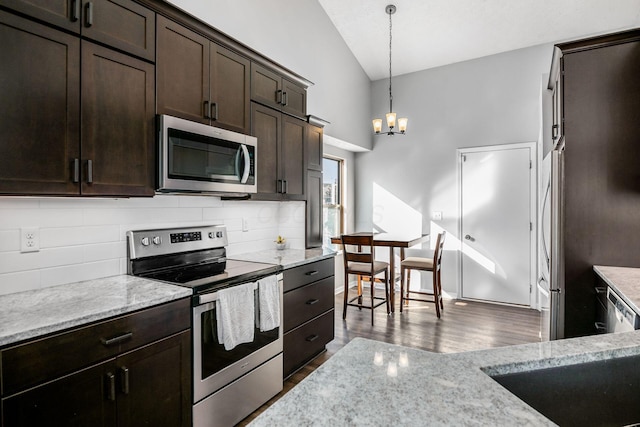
(601, 393)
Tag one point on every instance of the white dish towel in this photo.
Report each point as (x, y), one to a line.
(269, 300)
(235, 315)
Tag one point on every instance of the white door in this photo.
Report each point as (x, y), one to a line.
(496, 224)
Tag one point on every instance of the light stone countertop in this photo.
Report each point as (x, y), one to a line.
(287, 258)
(625, 281)
(433, 389)
(30, 314)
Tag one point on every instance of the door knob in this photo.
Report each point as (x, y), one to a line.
(468, 237)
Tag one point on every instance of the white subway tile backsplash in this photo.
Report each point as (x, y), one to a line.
(79, 272)
(81, 235)
(83, 239)
(18, 282)
(9, 240)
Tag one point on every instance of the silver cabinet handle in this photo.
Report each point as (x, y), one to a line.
(89, 171)
(214, 111)
(124, 372)
(285, 98)
(75, 10)
(89, 15)
(76, 170)
(279, 96)
(111, 386)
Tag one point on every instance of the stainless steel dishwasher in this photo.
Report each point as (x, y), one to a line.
(620, 317)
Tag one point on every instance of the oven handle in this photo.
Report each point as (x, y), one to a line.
(213, 296)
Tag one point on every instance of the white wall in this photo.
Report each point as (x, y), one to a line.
(83, 239)
(487, 101)
(299, 35)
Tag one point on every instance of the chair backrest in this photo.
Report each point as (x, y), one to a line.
(437, 255)
(361, 242)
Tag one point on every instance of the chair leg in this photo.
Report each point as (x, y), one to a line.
(386, 292)
(440, 291)
(372, 298)
(436, 294)
(406, 301)
(402, 297)
(359, 290)
(346, 295)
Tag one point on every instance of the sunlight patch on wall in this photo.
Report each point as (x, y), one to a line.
(479, 189)
(392, 215)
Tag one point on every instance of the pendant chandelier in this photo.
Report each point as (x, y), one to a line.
(391, 116)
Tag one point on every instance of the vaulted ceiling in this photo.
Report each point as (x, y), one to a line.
(432, 33)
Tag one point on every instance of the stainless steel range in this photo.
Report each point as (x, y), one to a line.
(230, 380)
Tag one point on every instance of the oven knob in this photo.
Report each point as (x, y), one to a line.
(157, 240)
(212, 235)
(145, 241)
(218, 233)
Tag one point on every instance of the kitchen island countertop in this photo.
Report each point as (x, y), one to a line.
(29, 314)
(286, 258)
(357, 385)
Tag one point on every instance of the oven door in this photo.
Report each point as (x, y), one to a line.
(197, 157)
(214, 367)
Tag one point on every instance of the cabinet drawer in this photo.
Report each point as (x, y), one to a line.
(306, 341)
(42, 360)
(307, 302)
(305, 274)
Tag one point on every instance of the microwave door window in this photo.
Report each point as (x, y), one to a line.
(202, 158)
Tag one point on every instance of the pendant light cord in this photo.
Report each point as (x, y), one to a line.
(390, 94)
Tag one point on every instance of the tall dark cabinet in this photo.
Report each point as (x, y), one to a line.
(599, 117)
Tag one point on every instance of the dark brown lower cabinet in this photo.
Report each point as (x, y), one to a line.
(148, 386)
(308, 312)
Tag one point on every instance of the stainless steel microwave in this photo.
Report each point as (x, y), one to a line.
(194, 157)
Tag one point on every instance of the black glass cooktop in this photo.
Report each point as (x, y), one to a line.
(206, 277)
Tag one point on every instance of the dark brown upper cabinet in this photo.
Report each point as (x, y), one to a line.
(121, 24)
(118, 123)
(200, 80)
(281, 167)
(271, 89)
(43, 152)
(314, 147)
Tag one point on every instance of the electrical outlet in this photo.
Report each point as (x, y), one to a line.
(245, 224)
(436, 215)
(29, 239)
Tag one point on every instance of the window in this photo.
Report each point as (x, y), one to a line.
(331, 200)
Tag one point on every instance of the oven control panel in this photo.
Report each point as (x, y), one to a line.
(145, 243)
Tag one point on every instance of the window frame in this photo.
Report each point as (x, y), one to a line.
(341, 188)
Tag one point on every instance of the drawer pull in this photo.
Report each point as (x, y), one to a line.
(124, 376)
(312, 273)
(312, 338)
(601, 326)
(116, 340)
(601, 290)
(311, 301)
(111, 386)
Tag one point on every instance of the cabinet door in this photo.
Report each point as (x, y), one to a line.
(122, 24)
(61, 13)
(84, 398)
(266, 125)
(314, 147)
(230, 74)
(154, 384)
(266, 86)
(294, 99)
(314, 209)
(40, 108)
(292, 154)
(118, 122)
(183, 72)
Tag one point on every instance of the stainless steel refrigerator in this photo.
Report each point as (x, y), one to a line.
(551, 289)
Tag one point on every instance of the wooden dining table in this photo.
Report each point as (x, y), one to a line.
(392, 241)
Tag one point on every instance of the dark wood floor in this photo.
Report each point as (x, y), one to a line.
(464, 326)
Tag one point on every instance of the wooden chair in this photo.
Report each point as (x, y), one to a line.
(362, 263)
(424, 264)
